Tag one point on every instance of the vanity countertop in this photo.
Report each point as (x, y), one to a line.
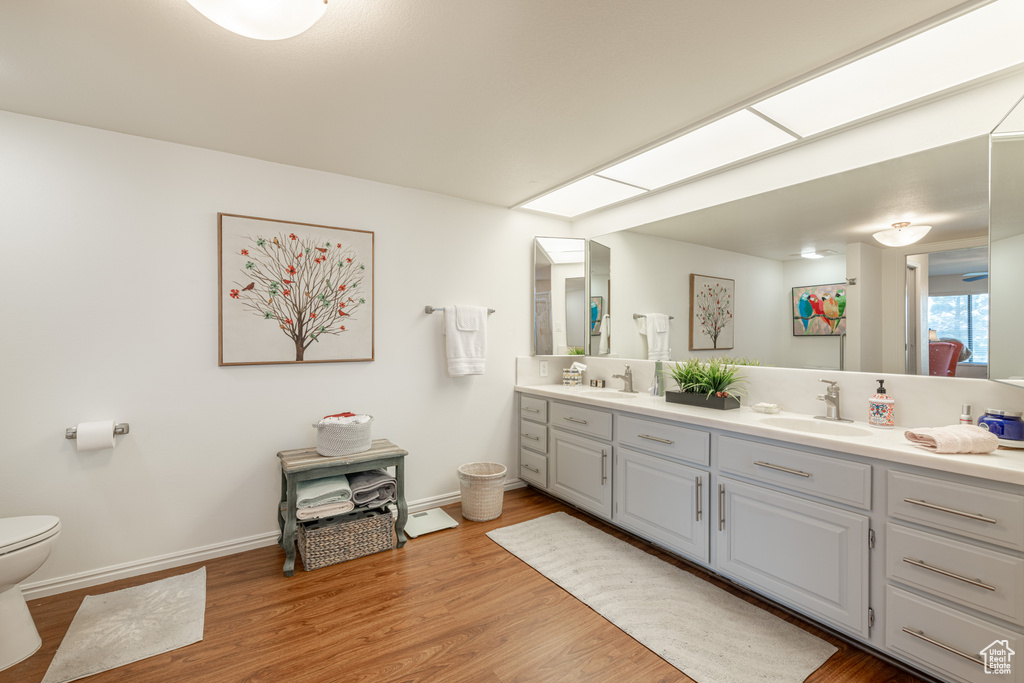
(1004, 464)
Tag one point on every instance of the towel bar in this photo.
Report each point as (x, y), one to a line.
(431, 309)
(637, 316)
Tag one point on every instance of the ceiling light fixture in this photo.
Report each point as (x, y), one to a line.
(584, 195)
(901, 234)
(262, 19)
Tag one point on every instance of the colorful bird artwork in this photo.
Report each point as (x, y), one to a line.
(248, 287)
(830, 310)
(805, 310)
(824, 302)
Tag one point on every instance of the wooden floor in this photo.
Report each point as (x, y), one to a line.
(450, 606)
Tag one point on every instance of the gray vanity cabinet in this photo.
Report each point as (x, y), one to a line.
(807, 554)
(579, 472)
(664, 501)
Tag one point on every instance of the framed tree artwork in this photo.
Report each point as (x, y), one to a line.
(712, 309)
(293, 292)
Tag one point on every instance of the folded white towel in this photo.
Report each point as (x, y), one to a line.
(324, 491)
(465, 331)
(658, 337)
(321, 511)
(954, 439)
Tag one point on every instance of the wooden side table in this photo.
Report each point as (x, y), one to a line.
(304, 463)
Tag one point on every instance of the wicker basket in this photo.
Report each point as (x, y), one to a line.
(483, 488)
(331, 540)
(334, 439)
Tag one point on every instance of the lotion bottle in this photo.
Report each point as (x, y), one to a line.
(881, 408)
(965, 415)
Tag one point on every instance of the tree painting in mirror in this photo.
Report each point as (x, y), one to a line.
(712, 310)
(819, 310)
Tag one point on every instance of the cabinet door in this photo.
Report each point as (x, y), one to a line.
(579, 472)
(663, 501)
(809, 555)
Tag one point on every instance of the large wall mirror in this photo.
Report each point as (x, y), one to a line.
(560, 308)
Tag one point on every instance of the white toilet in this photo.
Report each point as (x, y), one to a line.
(25, 543)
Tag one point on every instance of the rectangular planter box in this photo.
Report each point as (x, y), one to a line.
(702, 400)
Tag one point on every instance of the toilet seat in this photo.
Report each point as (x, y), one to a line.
(20, 532)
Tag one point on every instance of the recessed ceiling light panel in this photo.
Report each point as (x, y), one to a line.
(735, 137)
(584, 195)
(971, 46)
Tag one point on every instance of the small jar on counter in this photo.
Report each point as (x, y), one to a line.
(1006, 424)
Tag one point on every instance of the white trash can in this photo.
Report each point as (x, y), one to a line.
(483, 486)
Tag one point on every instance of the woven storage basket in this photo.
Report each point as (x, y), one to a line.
(331, 540)
(483, 488)
(334, 439)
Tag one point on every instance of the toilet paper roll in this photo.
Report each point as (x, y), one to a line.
(95, 436)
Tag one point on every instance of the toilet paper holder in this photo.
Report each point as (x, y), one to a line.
(119, 428)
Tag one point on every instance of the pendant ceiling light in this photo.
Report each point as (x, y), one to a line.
(901, 234)
(262, 19)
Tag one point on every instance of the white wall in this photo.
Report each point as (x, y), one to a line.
(110, 263)
(652, 275)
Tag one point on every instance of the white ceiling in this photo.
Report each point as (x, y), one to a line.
(489, 101)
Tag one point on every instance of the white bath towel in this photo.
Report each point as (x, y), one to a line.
(658, 346)
(321, 511)
(606, 335)
(465, 331)
(954, 439)
(324, 491)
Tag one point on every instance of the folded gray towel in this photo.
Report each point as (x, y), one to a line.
(373, 489)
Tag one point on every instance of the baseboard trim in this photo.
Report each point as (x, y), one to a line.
(63, 584)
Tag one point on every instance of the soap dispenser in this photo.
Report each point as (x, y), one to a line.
(881, 408)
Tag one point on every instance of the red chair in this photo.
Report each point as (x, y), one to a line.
(943, 357)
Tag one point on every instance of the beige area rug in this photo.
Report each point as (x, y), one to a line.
(705, 632)
(118, 628)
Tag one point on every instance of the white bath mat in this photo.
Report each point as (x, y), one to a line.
(710, 635)
(435, 519)
(118, 628)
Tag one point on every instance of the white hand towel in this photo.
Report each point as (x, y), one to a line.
(606, 335)
(658, 345)
(954, 439)
(465, 331)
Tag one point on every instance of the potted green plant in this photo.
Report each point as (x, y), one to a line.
(576, 351)
(715, 383)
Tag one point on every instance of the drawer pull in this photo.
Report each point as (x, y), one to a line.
(925, 565)
(576, 420)
(721, 507)
(604, 466)
(699, 497)
(654, 438)
(933, 506)
(531, 410)
(947, 648)
(781, 468)
(535, 470)
(530, 436)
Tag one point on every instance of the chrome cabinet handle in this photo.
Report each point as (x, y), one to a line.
(576, 420)
(933, 506)
(532, 469)
(700, 503)
(947, 648)
(530, 436)
(721, 507)
(604, 468)
(532, 410)
(780, 468)
(654, 438)
(925, 565)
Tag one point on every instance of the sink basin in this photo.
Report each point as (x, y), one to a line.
(812, 426)
(612, 394)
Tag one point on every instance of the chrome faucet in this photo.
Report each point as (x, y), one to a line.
(831, 399)
(627, 381)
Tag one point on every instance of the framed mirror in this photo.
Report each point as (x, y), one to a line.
(599, 296)
(560, 312)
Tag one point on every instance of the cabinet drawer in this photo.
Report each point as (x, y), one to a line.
(911, 619)
(985, 580)
(589, 421)
(533, 436)
(819, 475)
(533, 408)
(678, 443)
(973, 511)
(533, 468)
